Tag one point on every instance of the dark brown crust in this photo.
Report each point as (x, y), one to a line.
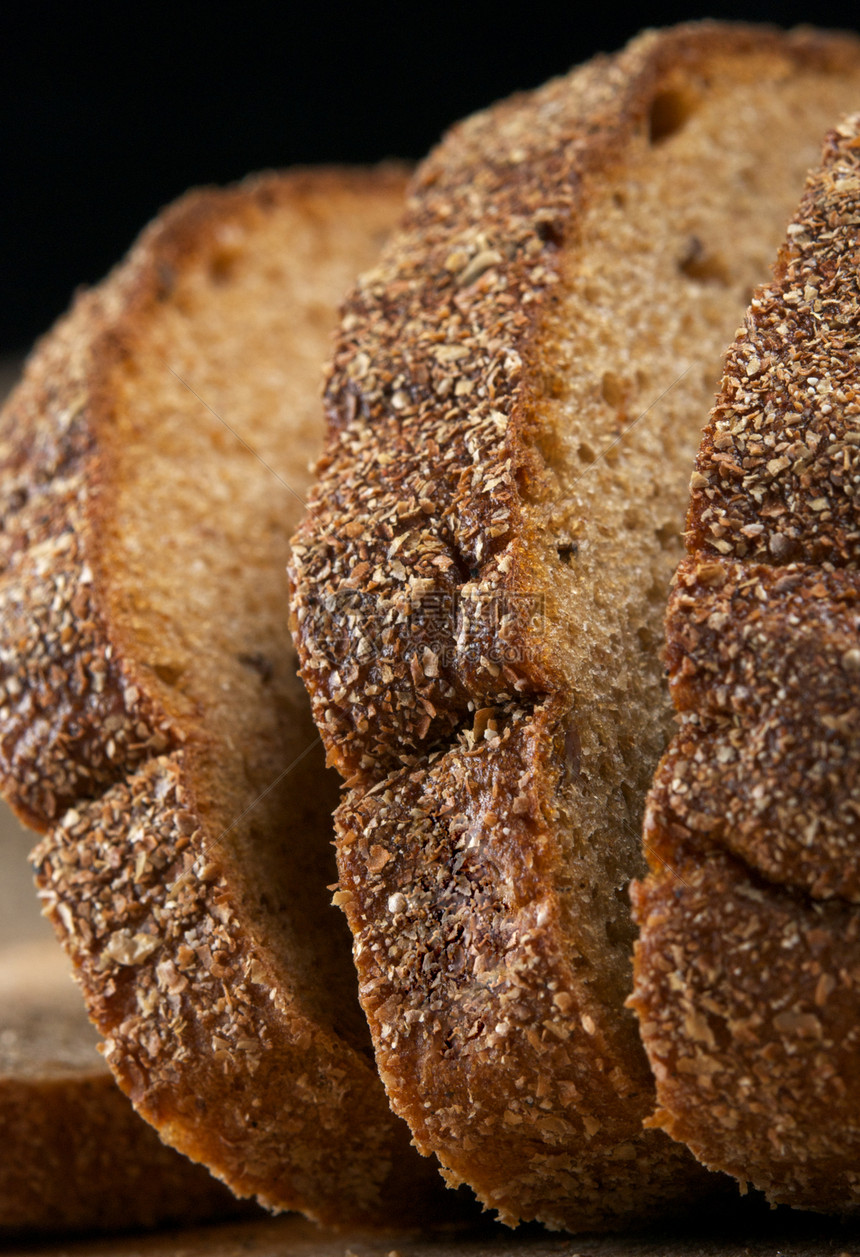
(187, 1000)
(747, 967)
(765, 659)
(207, 1028)
(418, 534)
(479, 988)
(435, 366)
(748, 1003)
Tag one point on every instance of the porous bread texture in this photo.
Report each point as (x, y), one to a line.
(154, 461)
(76, 1155)
(480, 583)
(748, 965)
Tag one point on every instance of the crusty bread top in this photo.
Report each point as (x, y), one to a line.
(462, 293)
(775, 472)
(514, 406)
(748, 966)
(764, 618)
(155, 459)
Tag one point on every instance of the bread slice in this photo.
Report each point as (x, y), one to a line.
(479, 586)
(748, 969)
(76, 1155)
(154, 462)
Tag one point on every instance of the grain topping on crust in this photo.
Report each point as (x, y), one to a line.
(779, 467)
(417, 528)
(480, 582)
(152, 722)
(765, 660)
(746, 968)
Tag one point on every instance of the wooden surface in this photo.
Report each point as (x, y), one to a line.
(780, 1235)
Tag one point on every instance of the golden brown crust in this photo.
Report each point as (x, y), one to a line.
(202, 1028)
(444, 694)
(746, 968)
(170, 757)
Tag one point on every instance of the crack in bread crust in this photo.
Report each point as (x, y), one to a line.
(746, 972)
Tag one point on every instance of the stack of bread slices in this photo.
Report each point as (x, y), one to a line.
(515, 398)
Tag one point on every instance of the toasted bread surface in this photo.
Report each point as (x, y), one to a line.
(155, 460)
(479, 585)
(747, 968)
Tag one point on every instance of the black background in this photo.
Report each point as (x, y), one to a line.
(107, 113)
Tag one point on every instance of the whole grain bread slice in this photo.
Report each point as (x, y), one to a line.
(154, 461)
(76, 1155)
(748, 967)
(479, 585)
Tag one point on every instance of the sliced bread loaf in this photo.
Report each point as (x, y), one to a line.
(514, 408)
(154, 460)
(748, 968)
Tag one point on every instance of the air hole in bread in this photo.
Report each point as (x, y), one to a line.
(669, 112)
(567, 549)
(169, 673)
(554, 384)
(667, 535)
(618, 931)
(222, 266)
(611, 389)
(697, 263)
(586, 453)
(550, 230)
(646, 638)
